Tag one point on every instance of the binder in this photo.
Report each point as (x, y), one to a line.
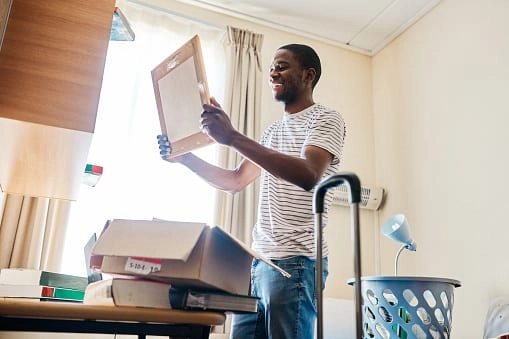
(184, 298)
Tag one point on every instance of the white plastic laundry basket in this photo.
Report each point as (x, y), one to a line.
(396, 307)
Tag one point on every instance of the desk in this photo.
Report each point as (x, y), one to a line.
(29, 315)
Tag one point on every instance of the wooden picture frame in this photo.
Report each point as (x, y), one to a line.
(180, 87)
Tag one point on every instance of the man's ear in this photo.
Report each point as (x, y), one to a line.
(310, 74)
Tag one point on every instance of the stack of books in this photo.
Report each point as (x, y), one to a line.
(41, 284)
(137, 292)
(118, 291)
(188, 270)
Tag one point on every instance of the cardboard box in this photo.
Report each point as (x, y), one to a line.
(183, 253)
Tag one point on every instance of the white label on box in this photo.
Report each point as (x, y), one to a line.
(143, 265)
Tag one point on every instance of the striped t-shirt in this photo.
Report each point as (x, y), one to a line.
(286, 222)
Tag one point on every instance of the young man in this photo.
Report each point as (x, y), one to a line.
(294, 154)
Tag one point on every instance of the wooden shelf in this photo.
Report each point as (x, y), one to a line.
(52, 61)
(51, 68)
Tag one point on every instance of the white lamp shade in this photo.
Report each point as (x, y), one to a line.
(397, 229)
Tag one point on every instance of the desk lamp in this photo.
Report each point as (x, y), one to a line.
(397, 229)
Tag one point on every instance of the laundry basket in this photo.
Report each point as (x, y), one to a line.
(407, 307)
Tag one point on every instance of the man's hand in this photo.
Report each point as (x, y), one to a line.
(165, 149)
(216, 123)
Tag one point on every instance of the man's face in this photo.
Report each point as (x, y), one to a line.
(286, 77)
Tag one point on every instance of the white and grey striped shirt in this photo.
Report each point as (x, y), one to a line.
(285, 226)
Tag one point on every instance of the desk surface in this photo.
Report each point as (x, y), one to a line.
(69, 310)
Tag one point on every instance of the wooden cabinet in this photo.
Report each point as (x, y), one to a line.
(5, 6)
(51, 67)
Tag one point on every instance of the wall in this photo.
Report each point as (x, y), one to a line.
(440, 121)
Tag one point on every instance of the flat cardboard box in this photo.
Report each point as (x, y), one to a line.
(182, 253)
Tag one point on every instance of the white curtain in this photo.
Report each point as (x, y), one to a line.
(32, 231)
(237, 213)
(136, 182)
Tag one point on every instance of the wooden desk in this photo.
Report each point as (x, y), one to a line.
(45, 316)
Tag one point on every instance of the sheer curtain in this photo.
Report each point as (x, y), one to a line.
(237, 213)
(136, 183)
(32, 231)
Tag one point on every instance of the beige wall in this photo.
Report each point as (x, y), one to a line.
(441, 113)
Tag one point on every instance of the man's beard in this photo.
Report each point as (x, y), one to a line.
(288, 96)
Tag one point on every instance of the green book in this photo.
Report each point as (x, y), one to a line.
(40, 292)
(26, 276)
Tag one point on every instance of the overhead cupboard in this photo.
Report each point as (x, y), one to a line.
(52, 58)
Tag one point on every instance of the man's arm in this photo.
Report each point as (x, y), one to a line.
(227, 180)
(231, 181)
(305, 171)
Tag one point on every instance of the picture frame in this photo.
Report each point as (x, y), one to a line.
(181, 89)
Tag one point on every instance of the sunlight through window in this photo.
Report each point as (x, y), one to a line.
(136, 182)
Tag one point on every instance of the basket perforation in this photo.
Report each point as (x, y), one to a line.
(410, 307)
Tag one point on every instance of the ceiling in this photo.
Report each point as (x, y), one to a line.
(365, 26)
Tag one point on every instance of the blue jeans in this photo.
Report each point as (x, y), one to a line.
(287, 306)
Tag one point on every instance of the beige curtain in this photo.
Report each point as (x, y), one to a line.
(237, 213)
(32, 231)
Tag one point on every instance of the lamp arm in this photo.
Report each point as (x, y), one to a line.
(397, 258)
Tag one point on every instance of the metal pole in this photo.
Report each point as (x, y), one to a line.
(355, 197)
(356, 238)
(319, 275)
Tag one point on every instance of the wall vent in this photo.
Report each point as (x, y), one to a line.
(371, 197)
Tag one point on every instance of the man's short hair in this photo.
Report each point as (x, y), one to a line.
(307, 57)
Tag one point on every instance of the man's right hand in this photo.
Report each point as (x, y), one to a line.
(164, 148)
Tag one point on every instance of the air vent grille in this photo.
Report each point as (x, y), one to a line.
(371, 197)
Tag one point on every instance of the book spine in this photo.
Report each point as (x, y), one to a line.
(62, 293)
(60, 280)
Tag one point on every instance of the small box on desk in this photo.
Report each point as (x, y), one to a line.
(182, 253)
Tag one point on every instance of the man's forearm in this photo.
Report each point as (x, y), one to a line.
(222, 179)
(304, 173)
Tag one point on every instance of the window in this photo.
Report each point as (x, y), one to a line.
(137, 183)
